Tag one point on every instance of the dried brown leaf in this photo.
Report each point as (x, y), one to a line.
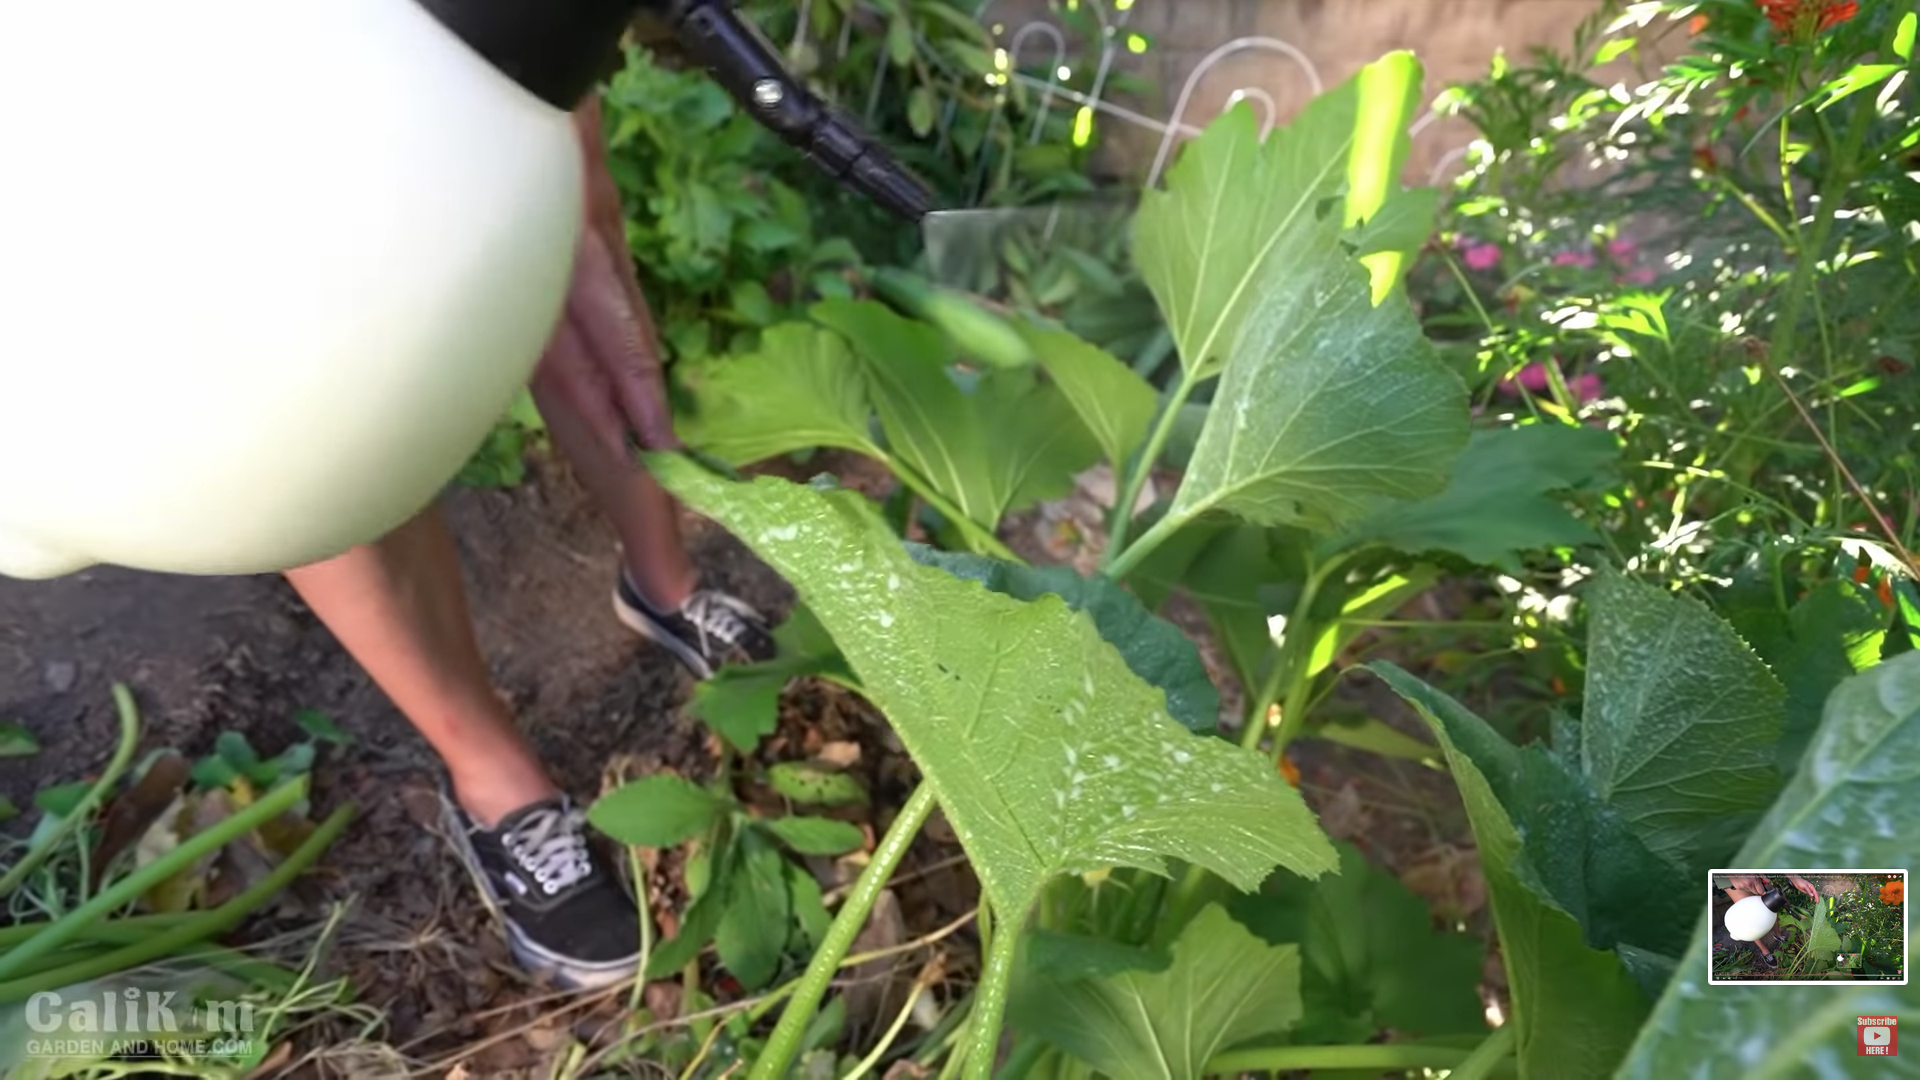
(132, 813)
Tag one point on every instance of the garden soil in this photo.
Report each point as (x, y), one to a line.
(207, 655)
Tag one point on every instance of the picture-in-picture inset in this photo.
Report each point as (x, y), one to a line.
(1808, 926)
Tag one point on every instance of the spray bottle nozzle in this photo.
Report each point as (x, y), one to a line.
(740, 60)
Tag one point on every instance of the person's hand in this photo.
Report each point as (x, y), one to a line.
(1750, 883)
(1805, 886)
(603, 360)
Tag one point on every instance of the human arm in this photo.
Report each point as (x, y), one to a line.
(604, 357)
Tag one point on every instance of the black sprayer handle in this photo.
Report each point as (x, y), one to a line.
(557, 50)
(737, 58)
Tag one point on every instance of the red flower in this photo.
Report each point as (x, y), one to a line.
(1801, 19)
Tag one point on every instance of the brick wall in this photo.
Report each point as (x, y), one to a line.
(1454, 40)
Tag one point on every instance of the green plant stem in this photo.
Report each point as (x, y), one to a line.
(1480, 1064)
(990, 999)
(117, 932)
(122, 757)
(938, 1044)
(1302, 635)
(783, 1046)
(1371, 1057)
(1120, 558)
(1143, 911)
(136, 884)
(1808, 252)
(1026, 1054)
(872, 1060)
(981, 539)
(1289, 681)
(212, 923)
(1118, 567)
(1269, 692)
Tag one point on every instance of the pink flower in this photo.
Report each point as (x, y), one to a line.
(1621, 249)
(1533, 379)
(1573, 258)
(1481, 256)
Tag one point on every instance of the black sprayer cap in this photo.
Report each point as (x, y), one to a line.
(555, 49)
(1775, 900)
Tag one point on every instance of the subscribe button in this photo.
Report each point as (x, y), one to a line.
(1877, 1036)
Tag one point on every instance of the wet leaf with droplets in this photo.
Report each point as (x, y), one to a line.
(1047, 754)
(1154, 649)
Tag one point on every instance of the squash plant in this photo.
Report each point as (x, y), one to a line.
(1127, 853)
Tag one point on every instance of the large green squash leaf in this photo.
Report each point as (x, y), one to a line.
(1231, 202)
(1328, 402)
(803, 388)
(1047, 754)
(1153, 648)
(1223, 987)
(1010, 442)
(1116, 405)
(1575, 1009)
(1851, 804)
(1679, 724)
(1371, 959)
(1498, 503)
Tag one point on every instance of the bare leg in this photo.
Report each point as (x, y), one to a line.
(397, 605)
(642, 513)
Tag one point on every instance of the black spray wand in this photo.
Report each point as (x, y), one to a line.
(557, 49)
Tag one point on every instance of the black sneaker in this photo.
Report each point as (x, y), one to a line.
(710, 629)
(566, 912)
(1770, 960)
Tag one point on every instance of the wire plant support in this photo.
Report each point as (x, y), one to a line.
(1037, 53)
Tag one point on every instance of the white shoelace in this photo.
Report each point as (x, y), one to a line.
(718, 614)
(552, 846)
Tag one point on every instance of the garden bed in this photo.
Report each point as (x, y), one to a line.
(206, 656)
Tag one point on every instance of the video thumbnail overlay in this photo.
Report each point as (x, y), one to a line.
(1807, 927)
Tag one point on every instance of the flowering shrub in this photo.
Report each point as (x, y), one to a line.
(1712, 261)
